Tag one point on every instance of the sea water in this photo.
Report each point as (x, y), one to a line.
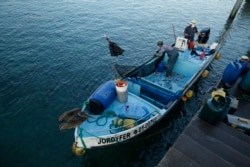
(53, 56)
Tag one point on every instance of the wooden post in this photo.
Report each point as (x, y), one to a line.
(235, 9)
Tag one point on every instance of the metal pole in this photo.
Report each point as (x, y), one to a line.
(174, 34)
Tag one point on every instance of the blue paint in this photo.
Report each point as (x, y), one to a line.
(102, 97)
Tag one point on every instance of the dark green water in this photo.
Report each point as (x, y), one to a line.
(53, 56)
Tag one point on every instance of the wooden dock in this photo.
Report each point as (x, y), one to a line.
(206, 145)
(202, 144)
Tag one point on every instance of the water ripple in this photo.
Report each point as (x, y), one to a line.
(53, 56)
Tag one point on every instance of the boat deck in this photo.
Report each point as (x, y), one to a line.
(134, 107)
(206, 145)
(186, 67)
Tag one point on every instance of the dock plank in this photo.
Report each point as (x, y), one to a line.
(206, 145)
(218, 129)
(172, 158)
(199, 153)
(220, 147)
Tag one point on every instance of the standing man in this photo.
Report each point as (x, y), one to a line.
(190, 32)
(172, 56)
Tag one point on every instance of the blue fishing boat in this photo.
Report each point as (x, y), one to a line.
(121, 109)
(112, 114)
(164, 91)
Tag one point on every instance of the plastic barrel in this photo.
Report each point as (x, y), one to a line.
(102, 97)
(231, 73)
(213, 109)
(245, 82)
(122, 91)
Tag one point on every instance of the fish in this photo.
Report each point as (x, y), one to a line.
(68, 114)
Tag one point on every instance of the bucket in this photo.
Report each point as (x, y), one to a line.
(245, 82)
(160, 67)
(122, 91)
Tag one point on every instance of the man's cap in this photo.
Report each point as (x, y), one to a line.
(193, 22)
(244, 58)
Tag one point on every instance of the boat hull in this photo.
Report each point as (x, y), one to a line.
(152, 95)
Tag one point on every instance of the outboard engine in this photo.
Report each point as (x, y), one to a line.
(204, 35)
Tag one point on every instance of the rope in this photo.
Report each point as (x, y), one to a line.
(130, 141)
(148, 136)
(111, 112)
(88, 133)
(84, 145)
(126, 141)
(112, 128)
(105, 115)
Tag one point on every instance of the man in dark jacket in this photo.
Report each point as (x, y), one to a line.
(172, 56)
(190, 31)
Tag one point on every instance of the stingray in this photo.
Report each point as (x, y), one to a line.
(73, 122)
(72, 119)
(68, 114)
(66, 126)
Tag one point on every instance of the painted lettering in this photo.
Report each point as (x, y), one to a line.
(114, 139)
(126, 136)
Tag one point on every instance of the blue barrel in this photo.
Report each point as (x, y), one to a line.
(245, 82)
(102, 97)
(213, 109)
(231, 73)
(160, 67)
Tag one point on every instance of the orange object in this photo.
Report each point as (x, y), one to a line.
(184, 98)
(121, 83)
(202, 55)
(191, 45)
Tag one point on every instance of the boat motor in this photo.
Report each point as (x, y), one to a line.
(204, 35)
